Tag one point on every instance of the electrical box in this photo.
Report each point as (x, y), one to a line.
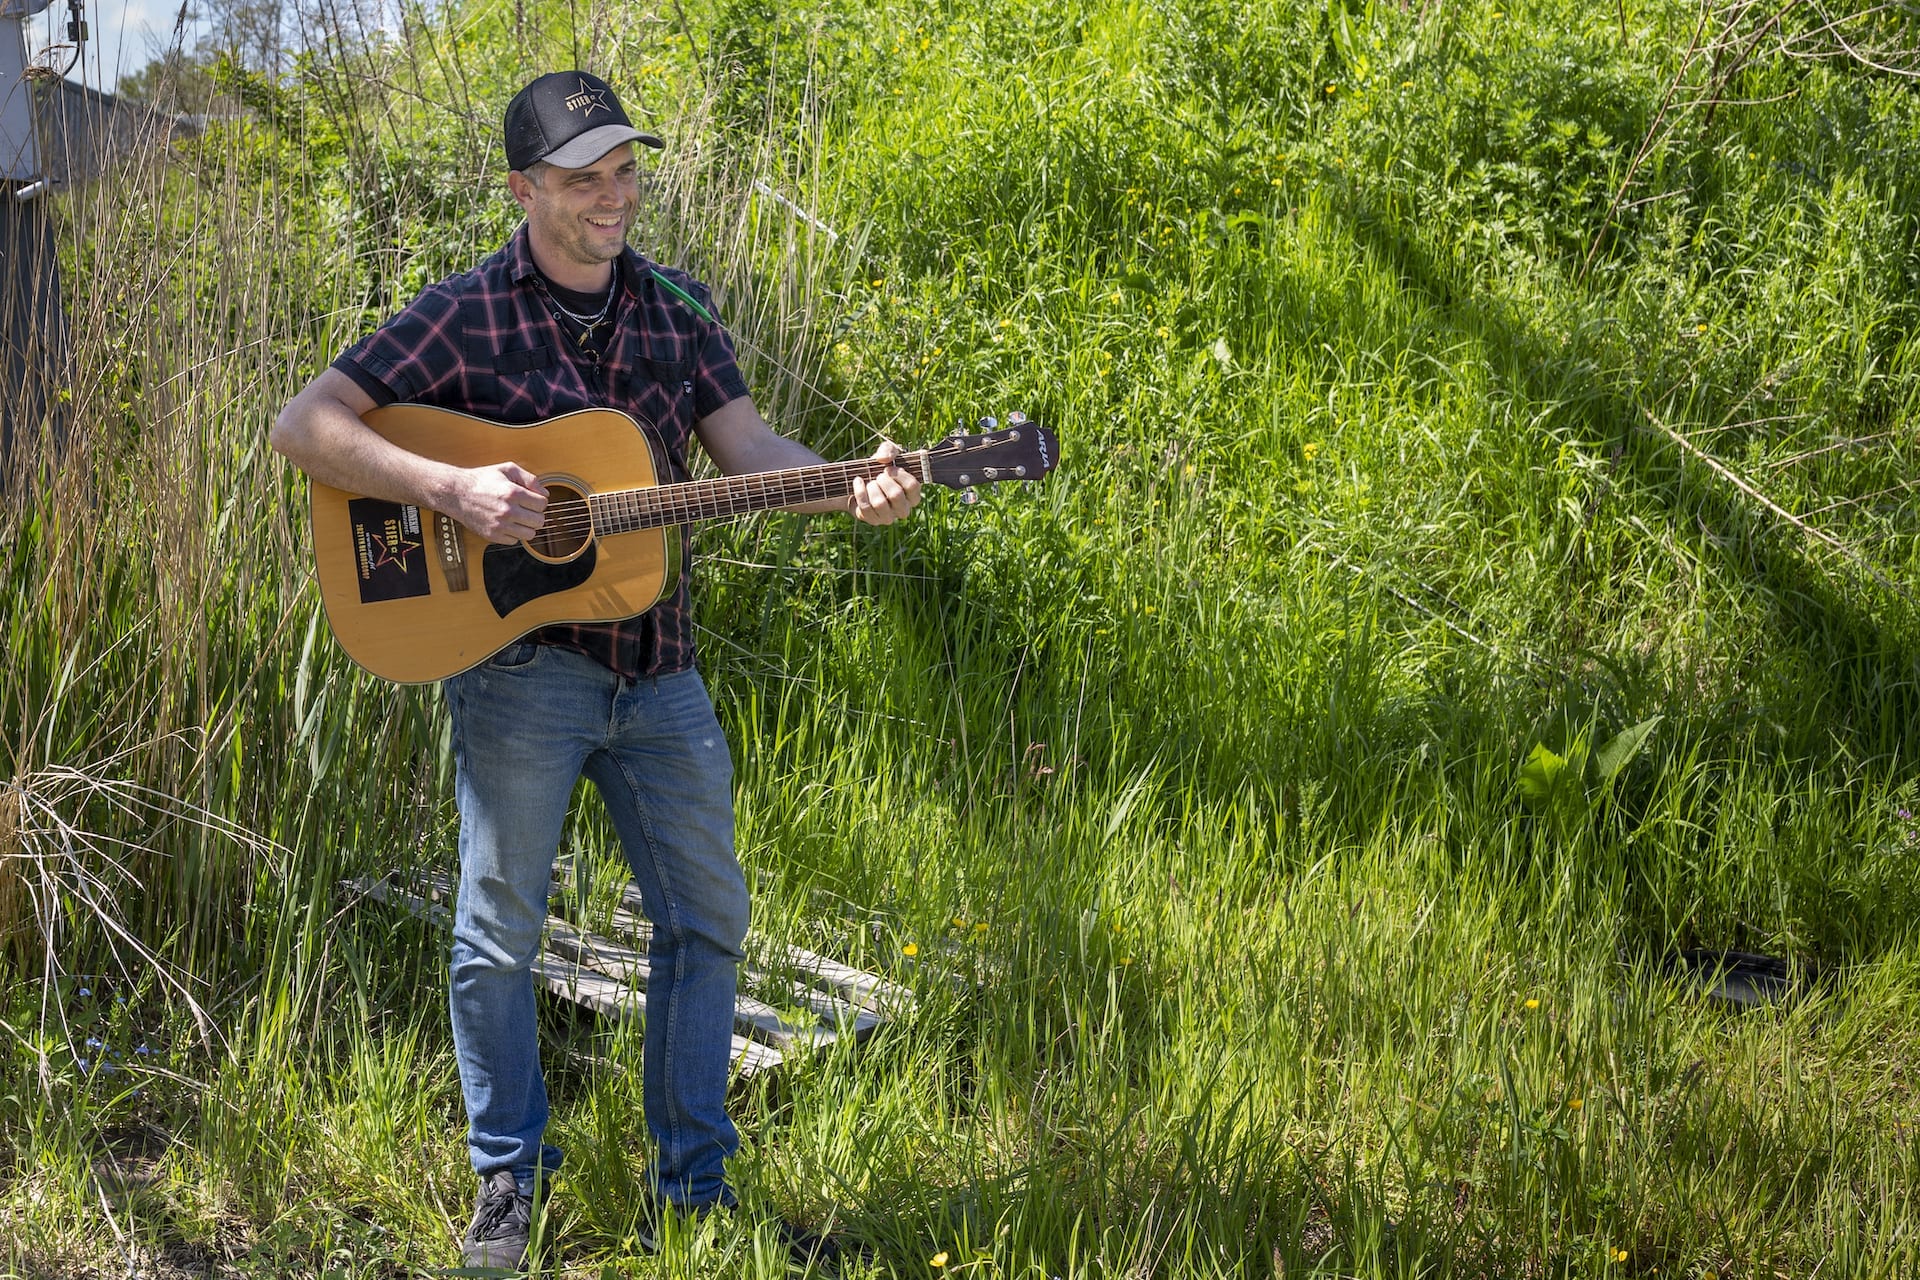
(19, 149)
(19, 152)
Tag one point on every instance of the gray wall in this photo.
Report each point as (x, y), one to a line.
(33, 327)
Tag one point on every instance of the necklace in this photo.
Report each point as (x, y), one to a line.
(589, 325)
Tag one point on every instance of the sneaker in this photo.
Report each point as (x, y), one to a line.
(805, 1248)
(502, 1222)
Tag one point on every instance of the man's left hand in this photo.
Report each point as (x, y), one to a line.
(891, 495)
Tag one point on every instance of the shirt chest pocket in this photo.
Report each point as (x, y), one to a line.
(529, 383)
(675, 377)
(510, 364)
(658, 377)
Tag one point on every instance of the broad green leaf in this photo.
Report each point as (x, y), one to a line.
(1620, 750)
(1542, 772)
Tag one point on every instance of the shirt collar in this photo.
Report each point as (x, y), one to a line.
(633, 268)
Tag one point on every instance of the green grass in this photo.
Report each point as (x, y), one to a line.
(1401, 439)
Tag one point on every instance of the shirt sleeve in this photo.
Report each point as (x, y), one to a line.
(413, 355)
(380, 392)
(717, 379)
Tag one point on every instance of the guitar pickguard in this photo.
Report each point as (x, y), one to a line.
(514, 577)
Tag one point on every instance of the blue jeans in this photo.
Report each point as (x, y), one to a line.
(526, 726)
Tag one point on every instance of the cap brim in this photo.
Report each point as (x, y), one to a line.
(594, 143)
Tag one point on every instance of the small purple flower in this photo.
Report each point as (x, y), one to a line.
(85, 992)
(1906, 815)
(93, 1042)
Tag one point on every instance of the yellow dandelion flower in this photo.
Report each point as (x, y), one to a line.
(938, 1260)
(981, 927)
(1187, 470)
(1310, 450)
(911, 949)
(1700, 328)
(1162, 331)
(1576, 1103)
(1005, 323)
(958, 923)
(1150, 610)
(1126, 959)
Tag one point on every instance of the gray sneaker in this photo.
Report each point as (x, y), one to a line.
(502, 1221)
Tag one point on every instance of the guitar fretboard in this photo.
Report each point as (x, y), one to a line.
(625, 510)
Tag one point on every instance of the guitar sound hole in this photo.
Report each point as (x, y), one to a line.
(569, 526)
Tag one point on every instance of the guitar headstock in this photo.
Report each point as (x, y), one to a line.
(1021, 450)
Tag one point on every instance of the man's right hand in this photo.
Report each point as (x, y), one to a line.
(322, 429)
(502, 503)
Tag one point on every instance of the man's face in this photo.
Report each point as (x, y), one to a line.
(580, 217)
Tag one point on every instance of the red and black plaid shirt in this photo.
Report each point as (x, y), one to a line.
(484, 342)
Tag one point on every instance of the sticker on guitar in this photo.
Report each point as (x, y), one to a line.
(385, 537)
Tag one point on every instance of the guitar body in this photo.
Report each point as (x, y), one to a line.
(413, 596)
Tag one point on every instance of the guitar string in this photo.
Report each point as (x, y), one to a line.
(575, 517)
(726, 496)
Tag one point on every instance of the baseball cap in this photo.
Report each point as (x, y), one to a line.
(569, 119)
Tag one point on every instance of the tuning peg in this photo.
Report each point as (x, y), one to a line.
(969, 496)
(986, 424)
(1016, 419)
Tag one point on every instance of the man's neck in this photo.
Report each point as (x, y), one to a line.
(581, 277)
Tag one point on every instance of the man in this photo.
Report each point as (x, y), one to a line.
(566, 316)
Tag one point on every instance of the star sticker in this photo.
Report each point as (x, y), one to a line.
(396, 553)
(593, 99)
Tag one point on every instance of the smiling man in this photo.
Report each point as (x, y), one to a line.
(567, 316)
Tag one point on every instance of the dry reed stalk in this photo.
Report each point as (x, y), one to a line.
(14, 900)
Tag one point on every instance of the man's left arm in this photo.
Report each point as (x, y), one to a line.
(739, 441)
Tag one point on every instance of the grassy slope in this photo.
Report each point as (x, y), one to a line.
(1203, 759)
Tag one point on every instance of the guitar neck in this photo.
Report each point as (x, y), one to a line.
(625, 510)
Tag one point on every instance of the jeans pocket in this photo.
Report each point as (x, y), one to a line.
(520, 653)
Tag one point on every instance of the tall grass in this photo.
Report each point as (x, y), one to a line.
(1186, 788)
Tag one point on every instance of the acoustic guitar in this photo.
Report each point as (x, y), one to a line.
(414, 596)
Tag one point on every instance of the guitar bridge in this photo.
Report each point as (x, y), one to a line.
(453, 551)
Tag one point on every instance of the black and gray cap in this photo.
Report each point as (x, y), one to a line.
(569, 119)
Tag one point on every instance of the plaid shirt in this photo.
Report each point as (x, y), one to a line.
(484, 343)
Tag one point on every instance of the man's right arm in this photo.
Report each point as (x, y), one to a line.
(321, 432)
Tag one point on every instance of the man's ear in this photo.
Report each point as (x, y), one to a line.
(521, 186)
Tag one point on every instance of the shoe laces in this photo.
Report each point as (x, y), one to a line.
(502, 1211)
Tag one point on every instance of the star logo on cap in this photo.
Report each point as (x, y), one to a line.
(588, 100)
